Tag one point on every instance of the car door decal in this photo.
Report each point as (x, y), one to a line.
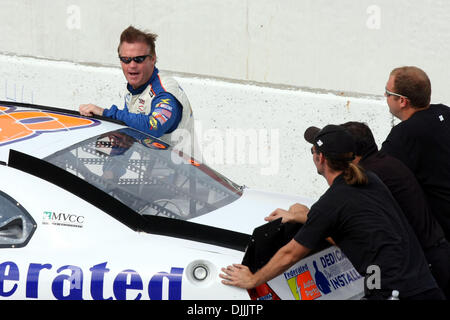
(20, 125)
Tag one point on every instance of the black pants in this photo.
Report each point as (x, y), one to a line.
(432, 294)
(438, 257)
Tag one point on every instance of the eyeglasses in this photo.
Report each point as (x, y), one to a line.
(138, 59)
(388, 93)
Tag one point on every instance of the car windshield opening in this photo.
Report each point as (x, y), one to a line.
(147, 175)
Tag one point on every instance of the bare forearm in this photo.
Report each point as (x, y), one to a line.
(280, 262)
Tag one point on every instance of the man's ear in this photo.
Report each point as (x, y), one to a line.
(320, 158)
(404, 102)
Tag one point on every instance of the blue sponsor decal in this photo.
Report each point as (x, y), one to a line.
(337, 271)
(126, 282)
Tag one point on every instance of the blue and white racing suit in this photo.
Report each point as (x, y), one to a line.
(160, 108)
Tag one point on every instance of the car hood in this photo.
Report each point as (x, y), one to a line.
(249, 211)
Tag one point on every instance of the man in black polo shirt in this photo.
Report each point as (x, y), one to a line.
(409, 195)
(422, 139)
(360, 215)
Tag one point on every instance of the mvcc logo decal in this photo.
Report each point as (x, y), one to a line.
(20, 125)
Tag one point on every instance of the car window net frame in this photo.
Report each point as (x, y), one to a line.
(147, 175)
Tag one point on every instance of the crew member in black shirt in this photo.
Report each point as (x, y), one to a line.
(409, 195)
(422, 139)
(360, 215)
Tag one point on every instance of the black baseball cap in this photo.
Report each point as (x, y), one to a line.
(334, 141)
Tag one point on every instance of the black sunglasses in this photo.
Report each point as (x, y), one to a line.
(138, 59)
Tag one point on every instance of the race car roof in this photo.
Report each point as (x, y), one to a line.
(40, 131)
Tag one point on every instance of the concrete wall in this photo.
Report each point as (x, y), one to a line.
(345, 45)
(264, 69)
(250, 133)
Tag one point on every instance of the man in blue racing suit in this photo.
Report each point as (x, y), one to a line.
(154, 104)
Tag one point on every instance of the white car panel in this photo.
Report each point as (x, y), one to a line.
(71, 239)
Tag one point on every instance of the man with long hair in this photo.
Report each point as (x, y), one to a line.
(360, 215)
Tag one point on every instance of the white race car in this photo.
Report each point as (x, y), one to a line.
(92, 209)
